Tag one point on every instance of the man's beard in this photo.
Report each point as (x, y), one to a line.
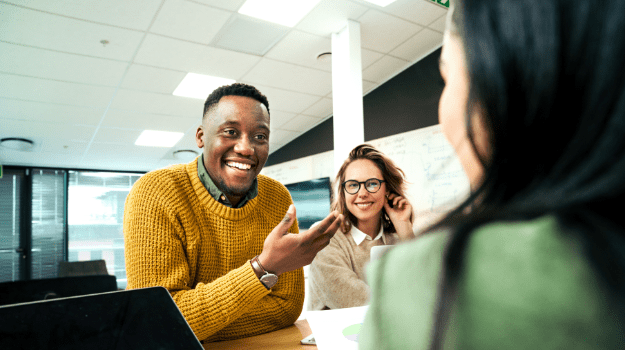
(233, 192)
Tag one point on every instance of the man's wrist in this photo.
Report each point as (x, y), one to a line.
(267, 278)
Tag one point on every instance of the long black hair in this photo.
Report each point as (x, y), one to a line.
(548, 80)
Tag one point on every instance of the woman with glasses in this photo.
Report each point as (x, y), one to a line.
(370, 195)
(534, 106)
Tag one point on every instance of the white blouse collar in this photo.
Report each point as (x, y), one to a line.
(360, 236)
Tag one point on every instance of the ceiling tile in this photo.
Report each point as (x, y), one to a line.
(301, 123)
(152, 79)
(122, 157)
(164, 52)
(368, 57)
(112, 164)
(249, 35)
(231, 5)
(63, 146)
(420, 12)
(188, 142)
(302, 49)
(117, 135)
(142, 121)
(384, 69)
(279, 118)
(40, 111)
(136, 14)
(283, 136)
(291, 77)
(189, 21)
(42, 90)
(330, 16)
(285, 100)
(54, 65)
(382, 32)
(367, 86)
(148, 102)
(40, 159)
(34, 28)
(124, 152)
(439, 24)
(37, 131)
(419, 45)
(320, 109)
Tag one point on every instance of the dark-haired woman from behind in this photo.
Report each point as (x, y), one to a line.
(534, 106)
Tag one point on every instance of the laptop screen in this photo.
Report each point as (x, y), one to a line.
(133, 319)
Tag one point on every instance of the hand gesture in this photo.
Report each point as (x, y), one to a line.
(284, 251)
(400, 213)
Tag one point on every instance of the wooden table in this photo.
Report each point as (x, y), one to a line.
(284, 339)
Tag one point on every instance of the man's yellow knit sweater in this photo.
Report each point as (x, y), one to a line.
(177, 236)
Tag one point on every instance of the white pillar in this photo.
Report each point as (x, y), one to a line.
(349, 129)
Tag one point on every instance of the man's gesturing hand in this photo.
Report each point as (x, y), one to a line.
(284, 251)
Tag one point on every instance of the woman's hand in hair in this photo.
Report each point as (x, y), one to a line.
(399, 211)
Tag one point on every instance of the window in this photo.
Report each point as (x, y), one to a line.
(95, 216)
(11, 265)
(48, 222)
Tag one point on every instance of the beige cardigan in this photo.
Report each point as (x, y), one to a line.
(337, 275)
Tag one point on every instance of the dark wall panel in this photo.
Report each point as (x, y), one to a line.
(408, 101)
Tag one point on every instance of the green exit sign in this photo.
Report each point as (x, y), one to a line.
(441, 2)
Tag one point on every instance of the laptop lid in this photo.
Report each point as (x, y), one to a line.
(378, 251)
(134, 319)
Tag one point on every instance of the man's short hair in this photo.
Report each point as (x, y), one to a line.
(236, 89)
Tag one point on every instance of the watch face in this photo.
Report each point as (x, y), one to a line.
(269, 280)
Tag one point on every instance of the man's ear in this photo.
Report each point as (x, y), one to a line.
(199, 136)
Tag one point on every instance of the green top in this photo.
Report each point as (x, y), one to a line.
(525, 285)
(216, 193)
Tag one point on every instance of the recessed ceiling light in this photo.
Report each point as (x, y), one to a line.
(158, 138)
(381, 2)
(285, 12)
(17, 143)
(324, 57)
(199, 85)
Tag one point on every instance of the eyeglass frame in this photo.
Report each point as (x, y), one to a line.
(360, 183)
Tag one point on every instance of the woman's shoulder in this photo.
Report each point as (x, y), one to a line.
(515, 238)
(532, 269)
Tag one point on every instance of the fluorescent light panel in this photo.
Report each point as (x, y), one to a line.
(199, 85)
(285, 12)
(158, 138)
(382, 3)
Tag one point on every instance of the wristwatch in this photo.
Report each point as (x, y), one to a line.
(268, 279)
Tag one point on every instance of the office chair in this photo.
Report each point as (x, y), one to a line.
(82, 268)
(51, 288)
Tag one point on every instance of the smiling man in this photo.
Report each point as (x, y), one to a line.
(220, 237)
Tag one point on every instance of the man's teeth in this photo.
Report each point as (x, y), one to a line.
(239, 165)
(364, 205)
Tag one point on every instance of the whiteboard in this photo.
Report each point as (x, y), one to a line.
(436, 181)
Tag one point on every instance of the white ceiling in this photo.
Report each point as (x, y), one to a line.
(84, 103)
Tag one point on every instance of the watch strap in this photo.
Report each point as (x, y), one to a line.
(268, 279)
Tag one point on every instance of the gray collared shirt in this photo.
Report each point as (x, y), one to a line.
(216, 193)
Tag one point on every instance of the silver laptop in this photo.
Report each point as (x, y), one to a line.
(378, 251)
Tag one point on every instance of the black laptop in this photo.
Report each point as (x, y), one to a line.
(134, 319)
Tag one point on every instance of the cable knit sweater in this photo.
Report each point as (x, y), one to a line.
(177, 236)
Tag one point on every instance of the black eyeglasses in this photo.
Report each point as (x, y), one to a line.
(371, 185)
